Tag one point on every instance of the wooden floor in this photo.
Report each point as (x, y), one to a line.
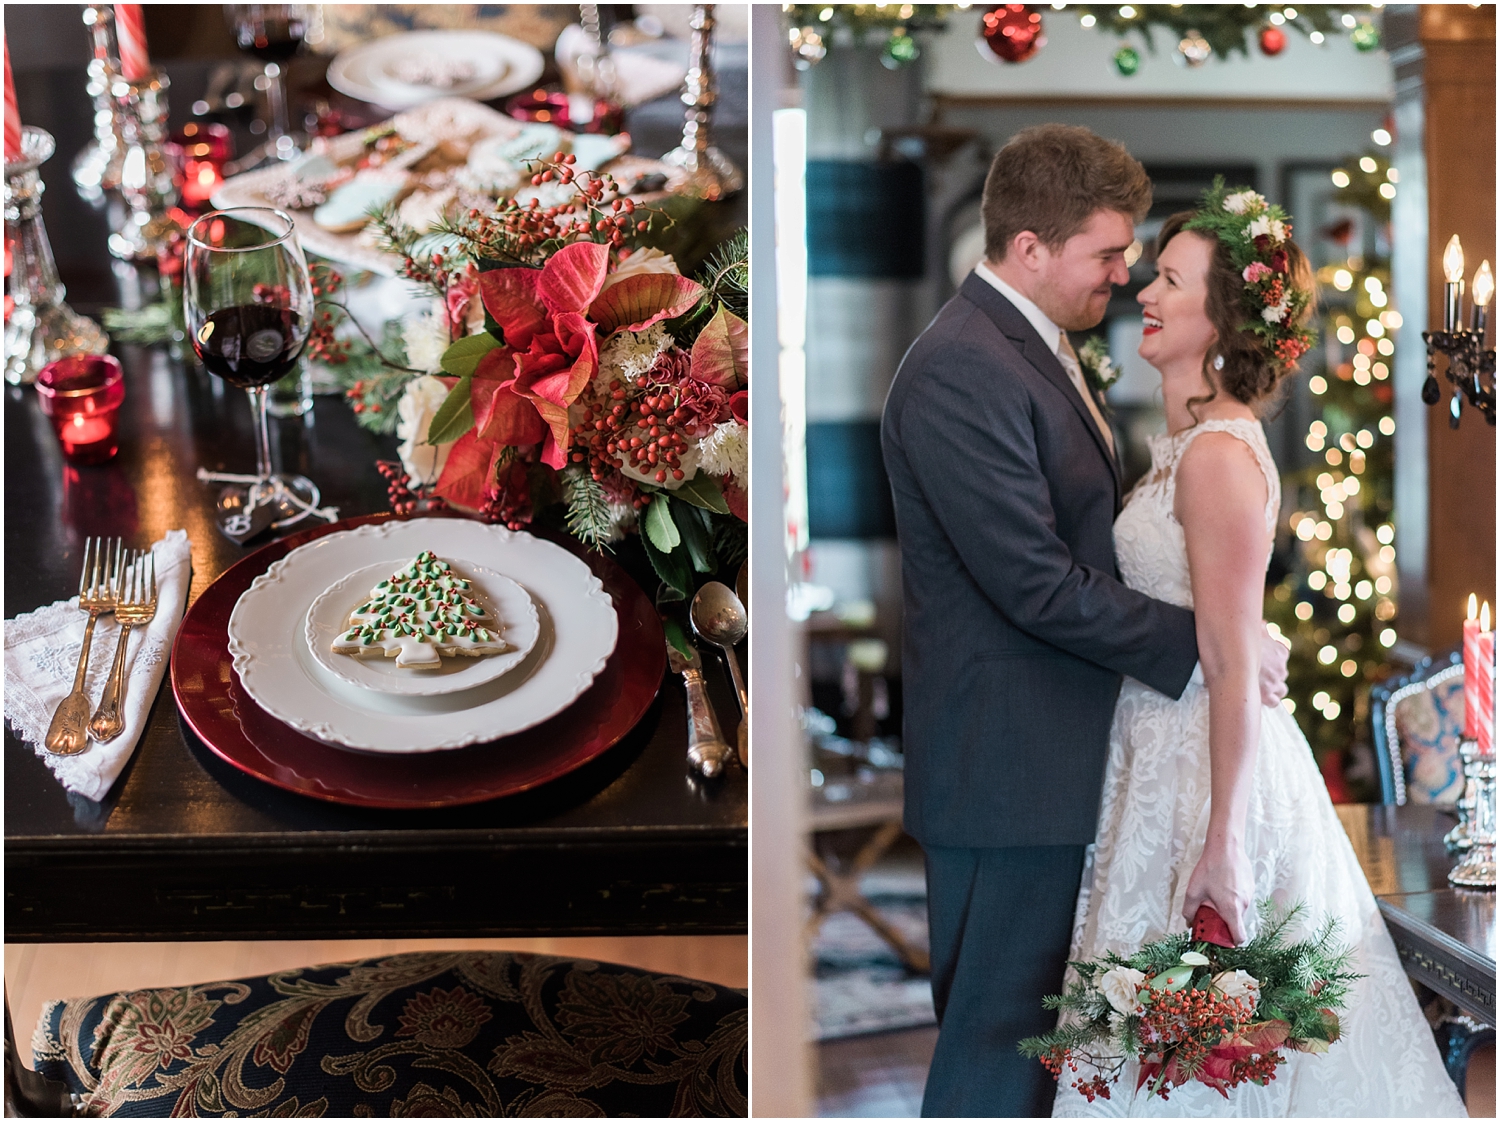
(36, 973)
(882, 1075)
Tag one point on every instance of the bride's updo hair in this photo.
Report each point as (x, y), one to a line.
(1250, 374)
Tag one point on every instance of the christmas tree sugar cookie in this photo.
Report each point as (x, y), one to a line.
(418, 615)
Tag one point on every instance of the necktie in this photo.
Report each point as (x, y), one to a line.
(1069, 360)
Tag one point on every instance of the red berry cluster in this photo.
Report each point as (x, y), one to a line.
(322, 345)
(398, 490)
(644, 426)
(508, 499)
(597, 212)
(1188, 1023)
(357, 402)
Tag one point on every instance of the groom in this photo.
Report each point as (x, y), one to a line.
(1017, 631)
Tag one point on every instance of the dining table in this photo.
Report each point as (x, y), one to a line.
(184, 845)
(1445, 935)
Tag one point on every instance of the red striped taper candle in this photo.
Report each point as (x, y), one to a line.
(1471, 669)
(1485, 725)
(130, 30)
(12, 114)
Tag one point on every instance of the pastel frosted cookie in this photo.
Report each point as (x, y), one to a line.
(534, 141)
(348, 207)
(419, 615)
(424, 209)
(594, 150)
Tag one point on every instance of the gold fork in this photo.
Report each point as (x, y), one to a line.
(136, 604)
(68, 733)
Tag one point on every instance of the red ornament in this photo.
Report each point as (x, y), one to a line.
(1011, 32)
(1272, 41)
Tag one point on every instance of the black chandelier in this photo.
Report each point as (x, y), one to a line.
(1471, 368)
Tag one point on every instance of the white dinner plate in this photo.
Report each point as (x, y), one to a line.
(502, 66)
(268, 644)
(505, 600)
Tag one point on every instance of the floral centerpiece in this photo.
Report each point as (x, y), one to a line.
(565, 370)
(1194, 1007)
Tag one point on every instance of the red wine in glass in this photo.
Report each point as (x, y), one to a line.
(248, 302)
(250, 344)
(274, 36)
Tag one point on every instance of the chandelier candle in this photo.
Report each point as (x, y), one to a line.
(1453, 289)
(1484, 288)
(130, 27)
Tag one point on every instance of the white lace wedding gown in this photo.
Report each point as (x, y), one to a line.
(1152, 823)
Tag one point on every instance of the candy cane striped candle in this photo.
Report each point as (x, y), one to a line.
(12, 115)
(1472, 669)
(1485, 723)
(130, 30)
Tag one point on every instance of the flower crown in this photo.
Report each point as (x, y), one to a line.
(1255, 234)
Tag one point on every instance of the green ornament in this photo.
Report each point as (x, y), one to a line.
(1127, 61)
(900, 51)
(1365, 37)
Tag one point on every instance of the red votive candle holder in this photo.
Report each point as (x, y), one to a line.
(81, 395)
(556, 107)
(200, 150)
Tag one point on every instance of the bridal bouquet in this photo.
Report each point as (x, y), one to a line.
(1194, 1007)
(561, 367)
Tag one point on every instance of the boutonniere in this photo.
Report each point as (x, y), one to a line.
(1098, 367)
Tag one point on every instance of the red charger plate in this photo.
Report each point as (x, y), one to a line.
(238, 731)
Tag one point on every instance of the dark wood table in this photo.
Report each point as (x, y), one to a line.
(186, 847)
(1445, 935)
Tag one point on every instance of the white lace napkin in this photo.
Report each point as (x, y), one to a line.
(41, 657)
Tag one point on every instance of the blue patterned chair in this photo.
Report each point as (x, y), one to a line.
(433, 1034)
(1415, 722)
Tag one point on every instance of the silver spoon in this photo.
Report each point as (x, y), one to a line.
(719, 617)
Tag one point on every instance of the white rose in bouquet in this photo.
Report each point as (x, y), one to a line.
(425, 335)
(1119, 986)
(421, 401)
(1237, 983)
(639, 262)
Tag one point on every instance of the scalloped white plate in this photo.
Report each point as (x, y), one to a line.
(507, 602)
(503, 66)
(268, 645)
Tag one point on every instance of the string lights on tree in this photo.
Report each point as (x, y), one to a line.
(1336, 601)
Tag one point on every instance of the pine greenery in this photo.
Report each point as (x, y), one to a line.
(588, 508)
(726, 274)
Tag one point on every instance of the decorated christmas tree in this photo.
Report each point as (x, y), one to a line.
(1337, 601)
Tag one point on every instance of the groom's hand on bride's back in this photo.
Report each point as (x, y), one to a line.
(1273, 656)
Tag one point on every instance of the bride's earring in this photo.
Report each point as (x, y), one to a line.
(1219, 362)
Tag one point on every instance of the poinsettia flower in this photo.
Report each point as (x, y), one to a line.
(460, 303)
(550, 345)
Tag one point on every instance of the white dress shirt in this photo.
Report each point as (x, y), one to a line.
(1054, 340)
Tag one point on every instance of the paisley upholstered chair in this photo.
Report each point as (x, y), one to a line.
(1415, 722)
(431, 1034)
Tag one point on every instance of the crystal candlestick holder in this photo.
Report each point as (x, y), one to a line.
(711, 175)
(1457, 841)
(96, 169)
(146, 172)
(1477, 869)
(41, 328)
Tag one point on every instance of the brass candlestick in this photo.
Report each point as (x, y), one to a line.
(96, 169)
(145, 172)
(41, 328)
(711, 174)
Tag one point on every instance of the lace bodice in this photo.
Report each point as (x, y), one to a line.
(1149, 543)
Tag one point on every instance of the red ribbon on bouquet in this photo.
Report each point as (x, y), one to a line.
(1209, 927)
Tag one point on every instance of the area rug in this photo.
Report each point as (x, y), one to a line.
(859, 985)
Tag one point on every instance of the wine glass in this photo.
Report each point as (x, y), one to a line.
(272, 33)
(248, 303)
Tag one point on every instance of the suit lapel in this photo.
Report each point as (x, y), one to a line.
(1017, 328)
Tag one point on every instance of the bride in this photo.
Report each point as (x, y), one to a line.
(1213, 799)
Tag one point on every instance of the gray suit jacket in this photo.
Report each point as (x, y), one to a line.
(1017, 629)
